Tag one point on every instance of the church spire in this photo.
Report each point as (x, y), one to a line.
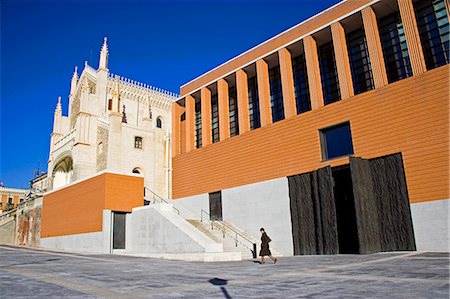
(58, 109)
(74, 82)
(103, 64)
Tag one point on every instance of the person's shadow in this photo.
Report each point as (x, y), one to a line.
(221, 282)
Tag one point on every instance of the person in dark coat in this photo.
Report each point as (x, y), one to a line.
(265, 240)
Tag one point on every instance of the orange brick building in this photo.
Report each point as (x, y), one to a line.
(333, 135)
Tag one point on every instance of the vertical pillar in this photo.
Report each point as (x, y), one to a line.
(287, 82)
(342, 61)
(242, 101)
(313, 70)
(205, 94)
(176, 130)
(374, 47)
(262, 74)
(190, 123)
(224, 109)
(412, 36)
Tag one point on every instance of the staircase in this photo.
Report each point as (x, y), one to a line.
(232, 241)
(6, 217)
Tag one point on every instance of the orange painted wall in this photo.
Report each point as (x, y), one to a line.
(4, 201)
(291, 34)
(409, 116)
(79, 208)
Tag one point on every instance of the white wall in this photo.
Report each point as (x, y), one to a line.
(96, 242)
(264, 204)
(190, 207)
(431, 225)
(250, 207)
(157, 229)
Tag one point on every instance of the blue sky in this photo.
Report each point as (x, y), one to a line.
(162, 43)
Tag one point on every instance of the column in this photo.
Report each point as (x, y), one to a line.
(374, 47)
(224, 109)
(242, 101)
(287, 82)
(205, 94)
(190, 123)
(265, 109)
(342, 61)
(176, 130)
(412, 36)
(313, 70)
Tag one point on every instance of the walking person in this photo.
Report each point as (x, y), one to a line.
(265, 240)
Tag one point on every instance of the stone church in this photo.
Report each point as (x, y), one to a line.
(113, 124)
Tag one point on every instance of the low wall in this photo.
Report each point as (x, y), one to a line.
(96, 242)
(431, 225)
(7, 232)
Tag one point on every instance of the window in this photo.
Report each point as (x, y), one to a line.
(10, 201)
(198, 125)
(301, 87)
(215, 118)
(359, 61)
(395, 50)
(137, 142)
(431, 17)
(336, 141)
(253, 104)
(110, 104)
(136, 170)
(233, 108)
(328, 73)
(159, 122)
(276, 94)
(100, 148)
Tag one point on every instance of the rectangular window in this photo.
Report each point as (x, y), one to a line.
(395, 50)
(301, 87)
(328, 73)
(137, 142)
(198, 125)
(361, 68)
(431, 17)
(276, 94)
(336, 141)
(233, 108)
(253, 104)
(215, 118)
(10, 201)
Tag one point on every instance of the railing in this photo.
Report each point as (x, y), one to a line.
(7, 214)
(64, 140)
(233, 233)
(155, 198)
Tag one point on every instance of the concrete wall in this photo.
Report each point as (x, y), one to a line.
(190, 207)
(431, 225)
(250, 207)
(264, 204)
(96, 242)
(7, 231)
(158, 229)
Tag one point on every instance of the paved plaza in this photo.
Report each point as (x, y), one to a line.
(26, 273)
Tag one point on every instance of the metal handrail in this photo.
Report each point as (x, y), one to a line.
(159, 198)
(213, 219)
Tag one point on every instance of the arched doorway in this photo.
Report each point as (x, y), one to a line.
(63, 172)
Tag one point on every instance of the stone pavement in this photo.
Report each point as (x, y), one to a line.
(26, 273)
